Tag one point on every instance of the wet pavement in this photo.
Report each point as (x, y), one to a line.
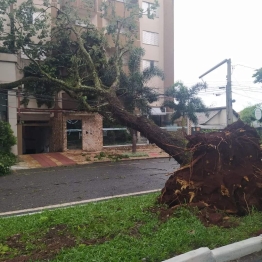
(38, 188)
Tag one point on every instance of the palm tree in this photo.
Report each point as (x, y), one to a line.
(184, 101)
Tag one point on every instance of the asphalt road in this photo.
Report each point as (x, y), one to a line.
(31, 189)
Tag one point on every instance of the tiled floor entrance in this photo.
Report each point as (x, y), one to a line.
(52, 159)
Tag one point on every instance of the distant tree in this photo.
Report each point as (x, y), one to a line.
(247, 114)
(184, 101)
(258, 76)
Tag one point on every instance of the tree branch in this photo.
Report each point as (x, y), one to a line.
(22, 81)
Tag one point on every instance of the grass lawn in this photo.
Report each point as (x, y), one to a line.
(124, 229)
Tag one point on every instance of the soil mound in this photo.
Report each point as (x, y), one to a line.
(225, 172)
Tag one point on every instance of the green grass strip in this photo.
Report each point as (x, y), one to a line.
(122, 229)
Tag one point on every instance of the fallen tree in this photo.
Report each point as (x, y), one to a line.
(86, 62)
(225, 172)
(73, 56)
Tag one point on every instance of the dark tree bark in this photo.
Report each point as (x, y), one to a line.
(134, 140)
(163, 139)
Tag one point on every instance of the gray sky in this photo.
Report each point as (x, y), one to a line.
(209, 31)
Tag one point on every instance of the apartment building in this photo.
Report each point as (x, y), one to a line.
(41, 129)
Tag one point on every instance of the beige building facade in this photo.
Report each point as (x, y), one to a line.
(214, 119)
(41, 129)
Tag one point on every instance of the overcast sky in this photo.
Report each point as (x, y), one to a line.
(209, 31)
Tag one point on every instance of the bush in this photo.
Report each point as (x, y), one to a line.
(6, 161)
(7, 140)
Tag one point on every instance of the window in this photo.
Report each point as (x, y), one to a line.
(150, 38)
(149, 63)
(37, 53)
(81, 23)
(146, 9)
(38, 16)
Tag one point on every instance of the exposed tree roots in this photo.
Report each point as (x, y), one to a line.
(225, 172)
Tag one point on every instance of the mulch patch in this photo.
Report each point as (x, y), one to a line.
(208, 216)
(134, 231)
(163, 213)
(47, 247)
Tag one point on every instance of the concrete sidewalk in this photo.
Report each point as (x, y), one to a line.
(79, 157)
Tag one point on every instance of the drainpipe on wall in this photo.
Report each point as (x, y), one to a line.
(19, 106)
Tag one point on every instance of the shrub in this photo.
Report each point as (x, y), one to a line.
(7, 140)
(6, 161)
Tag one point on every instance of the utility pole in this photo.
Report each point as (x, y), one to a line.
(229, 109)
(229, 94)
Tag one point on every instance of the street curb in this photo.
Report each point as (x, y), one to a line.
(32, 169)
(222, 254)
(238, 249)
(70, 204)
(202, 254)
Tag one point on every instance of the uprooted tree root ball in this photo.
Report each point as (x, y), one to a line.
(225, 172)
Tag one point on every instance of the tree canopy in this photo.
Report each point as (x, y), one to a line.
(67, 52)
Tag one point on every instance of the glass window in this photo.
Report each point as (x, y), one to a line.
(148, 63)
(150, 38)
(146, 9)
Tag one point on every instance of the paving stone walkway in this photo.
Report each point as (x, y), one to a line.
(73, 157)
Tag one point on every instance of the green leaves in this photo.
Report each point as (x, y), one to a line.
(7, 140)
(184, 100)
(135, 59)
(258, 76)
(133, 90)
(247, 115)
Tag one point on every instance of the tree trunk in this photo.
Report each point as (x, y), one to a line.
(163, 139)
(166, 141)
(134, 139)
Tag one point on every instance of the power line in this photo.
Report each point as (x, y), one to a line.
(245, 66)
(247, 96)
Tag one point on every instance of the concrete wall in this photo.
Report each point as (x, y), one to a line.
(92, 133)
(12, 115)
(8, 73)
(163, 53)
(220, 118)
(168, 17)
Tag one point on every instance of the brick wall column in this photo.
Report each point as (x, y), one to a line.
(57, 133)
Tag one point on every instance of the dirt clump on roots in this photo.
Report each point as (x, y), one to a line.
(225, 172)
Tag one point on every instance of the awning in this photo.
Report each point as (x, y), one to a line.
(157, 111)
(34, 116)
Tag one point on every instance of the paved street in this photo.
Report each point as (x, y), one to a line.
(38, 188)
